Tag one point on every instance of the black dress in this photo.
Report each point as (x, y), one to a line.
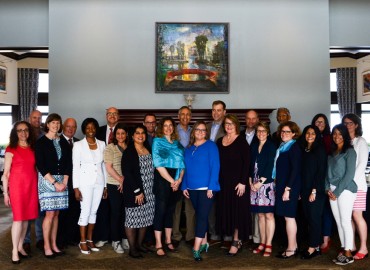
(233, 211)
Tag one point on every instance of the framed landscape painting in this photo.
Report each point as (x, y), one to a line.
(2, 79)
(366, 83)
(192, 58)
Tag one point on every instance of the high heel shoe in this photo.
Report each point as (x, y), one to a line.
(16, 262)
(196, 255)
(284, 256)
(236, 243)
(204, 247)
(258, 249)
(90, 244)
(83, 251)
(267, 253)
(326, 249)
(23, 256)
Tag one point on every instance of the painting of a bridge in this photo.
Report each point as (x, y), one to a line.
(192, 58)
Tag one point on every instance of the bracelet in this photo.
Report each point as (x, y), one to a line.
(313, 192)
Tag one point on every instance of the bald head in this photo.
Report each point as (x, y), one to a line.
(251, 119)
(69, 127)
(112, 116)
(35, 119)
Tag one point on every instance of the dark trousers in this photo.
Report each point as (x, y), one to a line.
(102, 225)
(117, 213)
(313, 215)
(165, 201)
(327, 219)
(68, 229)
(202, 207)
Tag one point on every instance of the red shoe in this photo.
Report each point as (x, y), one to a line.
(360, 256)
(267, 253)
(259, 249)
(326, 249)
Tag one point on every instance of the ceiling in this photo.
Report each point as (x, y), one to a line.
(43, 52)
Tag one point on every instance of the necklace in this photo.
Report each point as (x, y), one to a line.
(92, 144)
(142, 150)
(307, 149)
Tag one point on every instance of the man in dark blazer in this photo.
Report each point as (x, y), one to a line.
(68, 229)
(216, 131)
(251, 120)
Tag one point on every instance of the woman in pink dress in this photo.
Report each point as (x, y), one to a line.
(20, 184)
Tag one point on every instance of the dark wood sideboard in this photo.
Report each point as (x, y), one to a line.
(132, 117)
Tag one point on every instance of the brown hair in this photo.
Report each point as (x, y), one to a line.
(263, 125)
(192, 136)
(233, 118)
(53, 117)
(13, 138)
(293, 127)
(159, 130)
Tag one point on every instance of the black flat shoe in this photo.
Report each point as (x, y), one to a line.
(23, 256)
(135, 255)
(60, 253)
(284, 256)
(51, 256)
(16, 262)
(307, 256)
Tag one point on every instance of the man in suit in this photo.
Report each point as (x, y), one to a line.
(150, 122)
(35, 121)
(68, 229)
(184, 130)
(216, 131)
(251, 120)
(102, 232)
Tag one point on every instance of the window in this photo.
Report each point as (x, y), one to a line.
(5, 124)
(334, 108)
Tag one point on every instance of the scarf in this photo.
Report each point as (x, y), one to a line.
(168, 155)
(284, 146)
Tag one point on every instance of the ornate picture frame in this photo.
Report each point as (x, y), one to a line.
(192, 58)
(2, 79)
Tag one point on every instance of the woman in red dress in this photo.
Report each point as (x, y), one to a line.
(20, 184)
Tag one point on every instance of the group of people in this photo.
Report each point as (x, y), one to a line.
(128, 186)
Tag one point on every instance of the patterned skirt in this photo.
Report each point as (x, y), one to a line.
(143, 215)
(51, 200)
(263, 200)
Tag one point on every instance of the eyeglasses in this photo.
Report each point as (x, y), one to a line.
(23, 130)
(261, 131)
(200, 130)
(319, 122)
(150, 123)
(348, 124)
(112, 113)
(285, 131)
(229, 124)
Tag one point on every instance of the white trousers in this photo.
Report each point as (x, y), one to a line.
(91, 197)
(342, 212)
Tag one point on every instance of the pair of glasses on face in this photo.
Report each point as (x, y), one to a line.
(285, 131)
(200, 130)
(112, 114)
(23, 130)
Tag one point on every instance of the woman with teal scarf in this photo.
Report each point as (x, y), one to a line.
(168, 159)
(287, 174)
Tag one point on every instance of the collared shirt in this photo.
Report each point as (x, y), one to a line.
(214, 130)
(107, 134)
(184, 135)
(249, 136)
(68, 138)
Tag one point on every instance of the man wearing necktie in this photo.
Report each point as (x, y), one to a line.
(105, 133)
(68, 229)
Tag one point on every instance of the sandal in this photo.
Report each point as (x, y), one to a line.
(174, 250)
(92, 246)
(84, 251)
(360, 256)
(267, 253)
(259, 249)
(236, 243)
(159, 255)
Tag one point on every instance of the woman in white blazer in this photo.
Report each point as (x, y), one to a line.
(89, 181)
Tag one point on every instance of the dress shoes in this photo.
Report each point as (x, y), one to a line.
(307, 256)
(27, 247)
(23, 256)
(16, 262)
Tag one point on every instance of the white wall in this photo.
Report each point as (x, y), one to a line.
(349, 23)
(24, 23)
(103, 54)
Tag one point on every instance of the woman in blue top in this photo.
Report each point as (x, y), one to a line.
(201, 181)
(168, 159)
(341, 189)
